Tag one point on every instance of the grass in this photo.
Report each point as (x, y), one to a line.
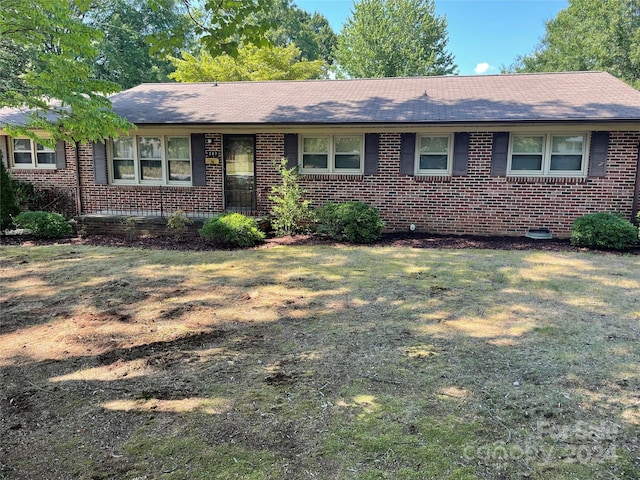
(318, 362)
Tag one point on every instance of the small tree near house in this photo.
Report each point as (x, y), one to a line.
(290, 213)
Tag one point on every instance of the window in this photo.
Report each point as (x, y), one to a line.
(331, 153)
(151, 159)
(559, 155)
(30, 154)
(434, 155)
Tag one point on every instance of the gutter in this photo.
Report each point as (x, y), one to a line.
(636, 191)
(78, 186)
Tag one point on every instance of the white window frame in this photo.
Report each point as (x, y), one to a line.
(547, 146)
(137, 180)
(33, 150)
(431, 171)
(331, 155)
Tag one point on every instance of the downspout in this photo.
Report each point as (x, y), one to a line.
(78, 187)
(636, 191)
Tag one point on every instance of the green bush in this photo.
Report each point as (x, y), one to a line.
(355, 222)
(178, 223)
(26, 195)
(232, 229)
(603, 230)
(290, 213)
(44, 224)
(8, 204)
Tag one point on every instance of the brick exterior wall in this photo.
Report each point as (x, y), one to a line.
(476, 203)
(60, 182)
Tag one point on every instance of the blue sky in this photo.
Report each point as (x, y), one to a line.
(483, 34)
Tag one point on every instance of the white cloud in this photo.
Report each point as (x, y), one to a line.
(482, 67)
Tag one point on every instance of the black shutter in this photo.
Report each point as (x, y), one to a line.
(100, 175)
(598, 154)
(198, 167)
(61, 158)
(500, 154)
(407, 153)
(371, 146)
(291, 149)
(460, 154)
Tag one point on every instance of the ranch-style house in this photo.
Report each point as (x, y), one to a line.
(493, 155)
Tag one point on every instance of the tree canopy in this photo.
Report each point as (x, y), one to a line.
(42, 47)
(590, 35)
(61, 59)
(251, 63)
(311, 33)
(224, 25)
(394, 38)
(135, 42)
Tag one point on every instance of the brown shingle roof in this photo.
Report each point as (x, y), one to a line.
(580, 96)
(493, 98)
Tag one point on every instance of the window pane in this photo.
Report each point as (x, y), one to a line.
(527, 144)
(314, 161)
(180, 171)
(239, 156)
(123, 170)
(567, 144)
(150, 147)
(42, 148)
(22, 157)
(526, 162)
(22, 144)
(348, 144)
(434, 144)
(566, 162)
(351, 162)
(46, 158)
(315, 144)
(123, 147)
(151, 170)
(178, 148)
(433, 162)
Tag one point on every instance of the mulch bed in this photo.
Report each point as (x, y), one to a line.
(412, 240)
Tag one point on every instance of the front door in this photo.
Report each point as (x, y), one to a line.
(239, 172)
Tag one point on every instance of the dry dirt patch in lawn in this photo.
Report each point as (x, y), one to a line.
(318, 362)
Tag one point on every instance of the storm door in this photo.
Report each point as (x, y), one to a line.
(239, 172)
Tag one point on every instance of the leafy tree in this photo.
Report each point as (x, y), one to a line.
(590, 35)
(223, 25)
(252, 63)
(393, 38)
(130, 52)
(43, 44)
(311, 33)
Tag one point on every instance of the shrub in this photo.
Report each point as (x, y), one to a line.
(355, 222)
(8, 203)
(603, 230)
(178, 223)
(290, 212)
(26, 195)
(44, 224)
(129, 227)
(29, 197)
(232, 229)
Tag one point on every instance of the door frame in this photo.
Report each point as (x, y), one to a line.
(232, 136)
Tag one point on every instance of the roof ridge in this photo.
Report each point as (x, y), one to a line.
(377, 79)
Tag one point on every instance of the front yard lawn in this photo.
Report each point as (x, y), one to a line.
(325, 362)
